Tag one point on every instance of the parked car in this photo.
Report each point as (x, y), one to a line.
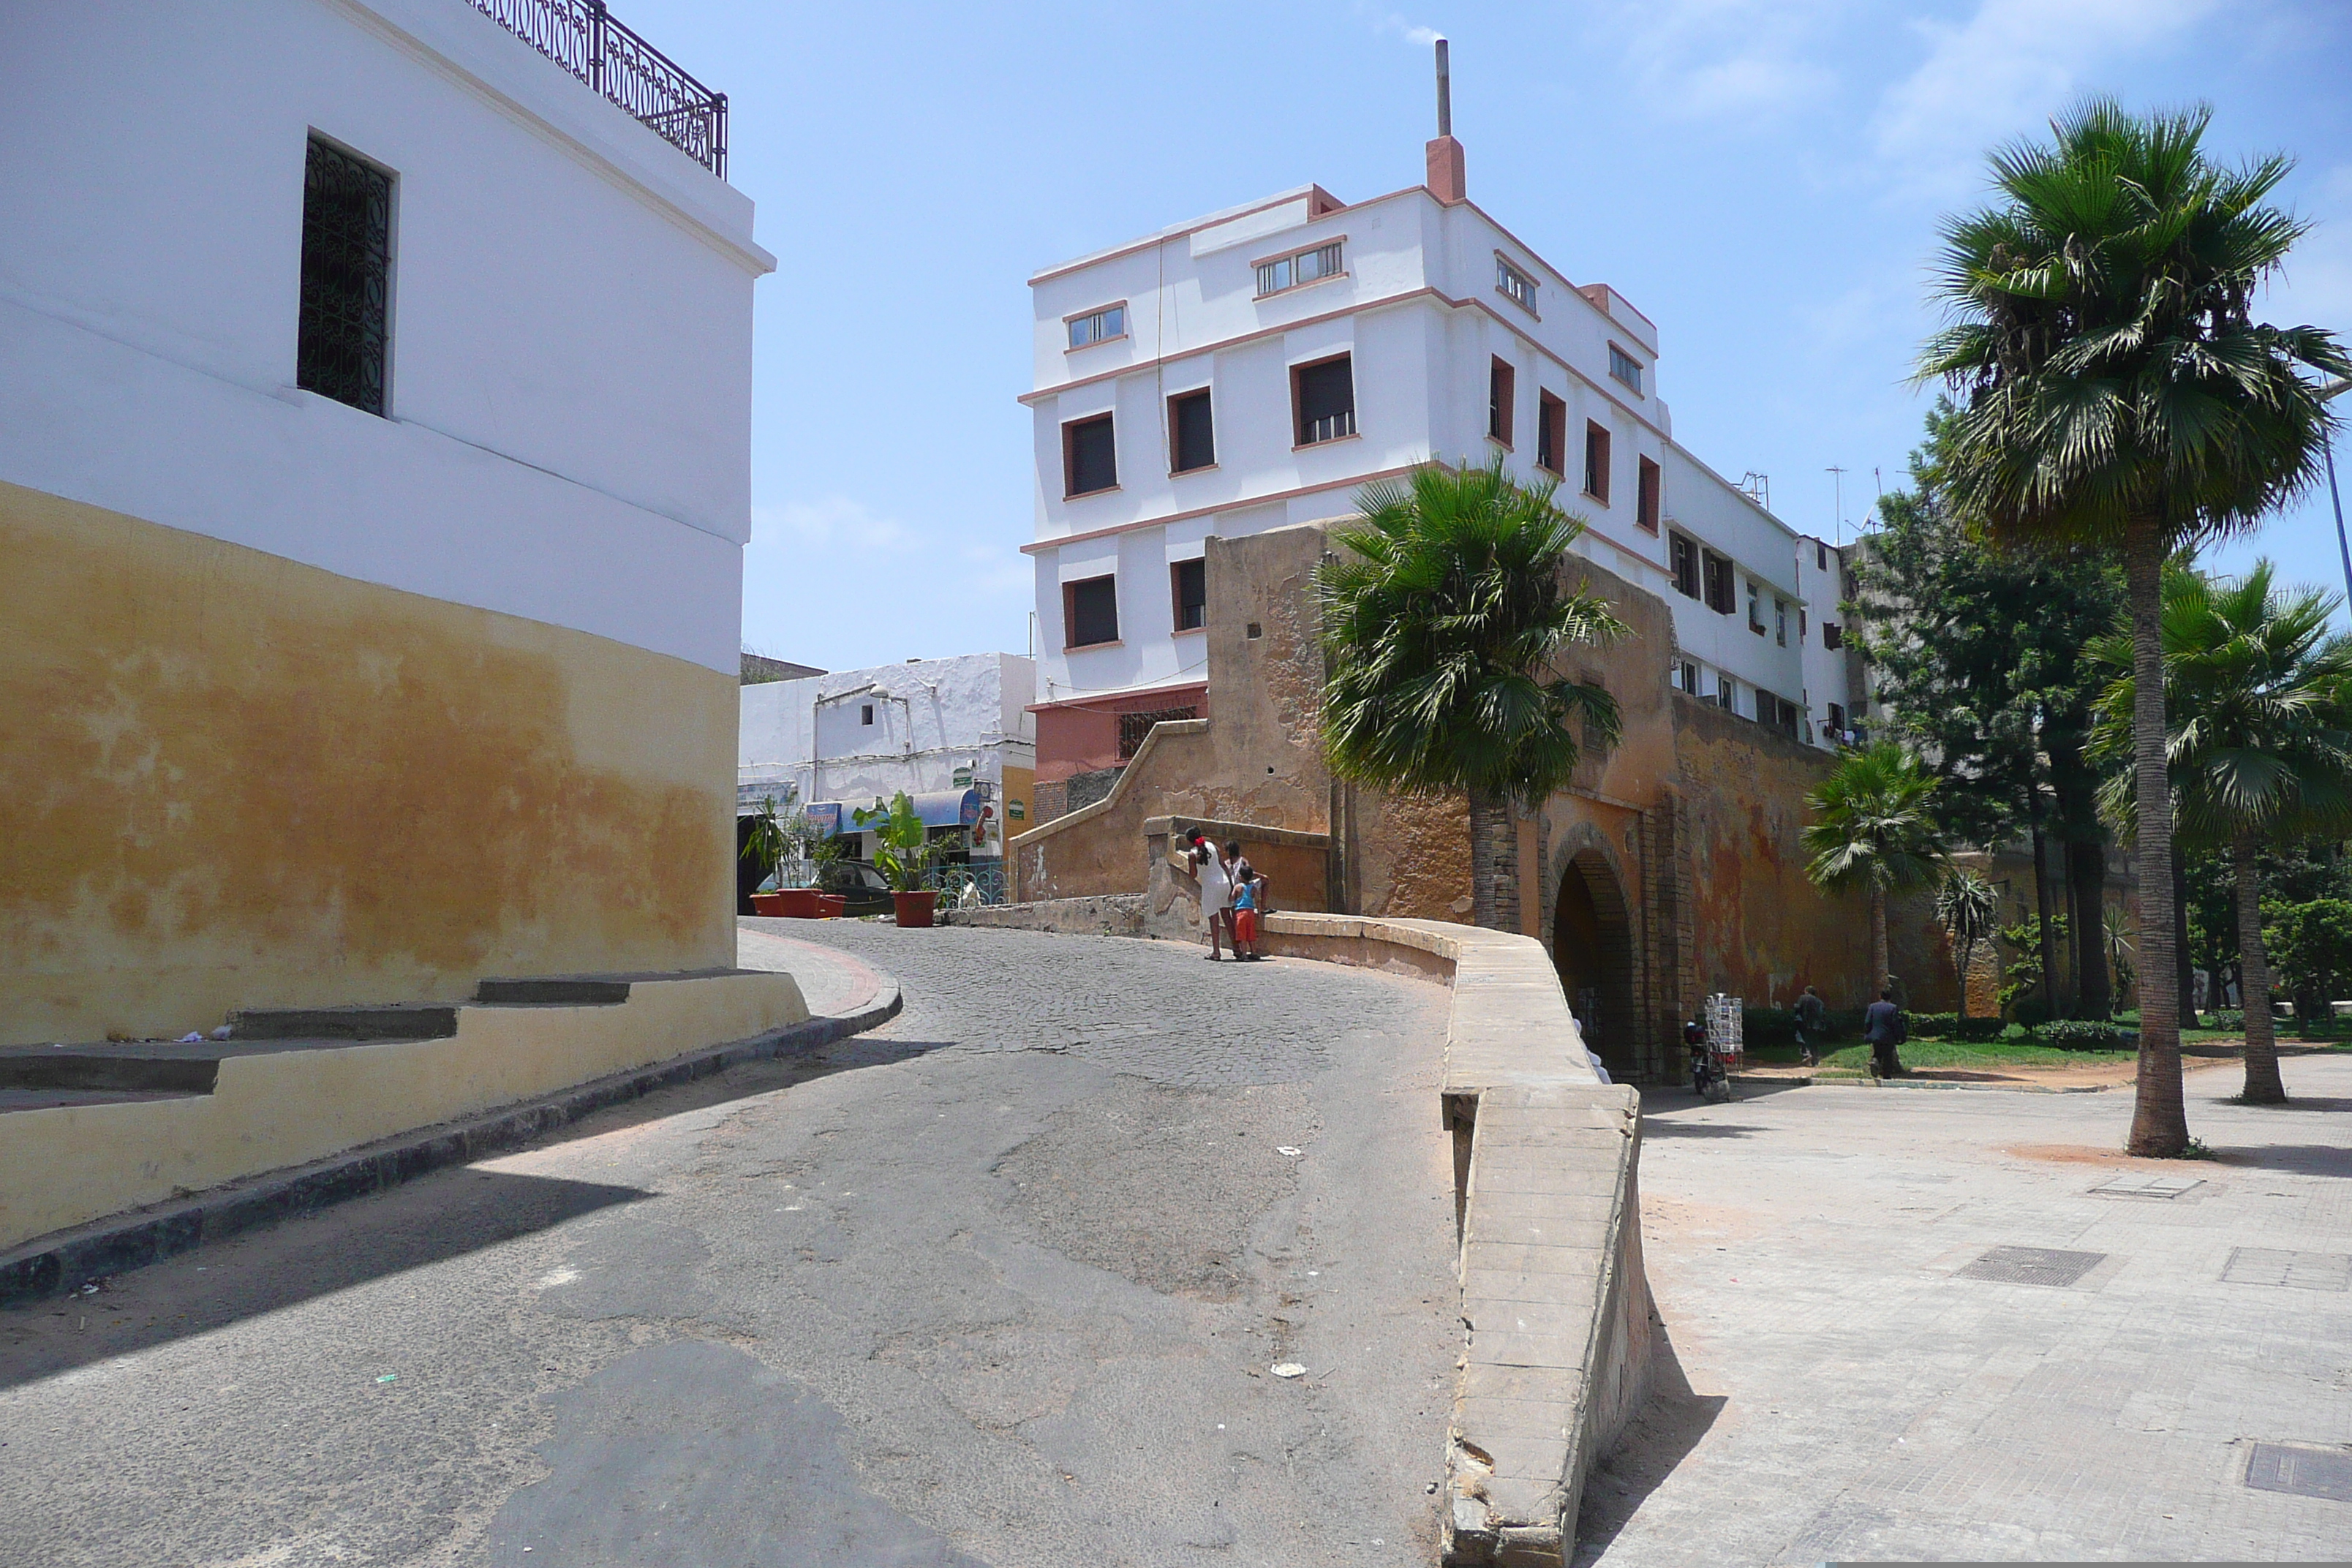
(861, 886)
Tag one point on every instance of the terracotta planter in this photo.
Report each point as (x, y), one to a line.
(914, 909)
(829, 907)
(794, 903)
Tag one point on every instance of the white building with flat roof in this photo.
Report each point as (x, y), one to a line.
(1254, 368)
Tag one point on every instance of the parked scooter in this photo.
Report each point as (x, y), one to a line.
(1710, 1081)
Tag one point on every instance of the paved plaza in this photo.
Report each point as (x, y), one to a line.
(1000, 1283)
(1864, 1383)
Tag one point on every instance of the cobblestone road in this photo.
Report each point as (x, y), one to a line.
(1865, 1385)
(1000, 1284)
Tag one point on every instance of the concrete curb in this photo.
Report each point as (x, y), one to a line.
(61, 1261)
(1739, 1080)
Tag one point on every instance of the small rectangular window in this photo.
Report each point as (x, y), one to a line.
(1647, 500)
(1188, 581)
(1837, 720)
(1324, 398)
(1802, 622)
(1099, 326)
(1682, 560)
(1755, 608)
(1596, 462)
(1502, 384)
(1685, 675)
(343, 331)
(1090, 455)
(1724, 692)
(1831, 635)
(1625, 367)
(1821, 556)
(1780, 622)
(1551, 433)
(1090, 612)
(1721, 597)
(1301, 268)
(866, 712)
(1192, 432)
(1515, 285)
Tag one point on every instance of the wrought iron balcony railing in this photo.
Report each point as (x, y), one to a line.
(581, 37)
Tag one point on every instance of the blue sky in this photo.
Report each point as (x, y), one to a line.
(1762, 179)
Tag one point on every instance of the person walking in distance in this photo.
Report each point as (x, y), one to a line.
(1882, 1026)
(1812, 1014)
(1208, 868)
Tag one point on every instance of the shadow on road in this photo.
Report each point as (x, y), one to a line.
(2297, 1159)
(443, 1214)
(1654, 1442)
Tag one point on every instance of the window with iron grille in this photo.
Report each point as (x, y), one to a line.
(1134, 727)
(344, 338)
(1304, 266)
(1324, 395)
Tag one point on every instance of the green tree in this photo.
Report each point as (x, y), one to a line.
(2119, 396)
(1978, 654)
(1873, 827)
(1443, 610)
(2260, 697)
(1969, 911)
(2313, 942)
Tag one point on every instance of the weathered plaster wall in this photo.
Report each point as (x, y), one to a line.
(235, 781)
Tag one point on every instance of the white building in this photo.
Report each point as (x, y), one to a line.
(374, 437)
(1255, 367)
(954, 733)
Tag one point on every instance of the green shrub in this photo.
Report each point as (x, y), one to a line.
(1933, 1025)
(2083, 1035)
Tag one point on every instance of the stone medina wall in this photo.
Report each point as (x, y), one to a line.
(234, 781)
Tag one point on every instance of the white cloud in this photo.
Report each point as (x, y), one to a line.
(1411, 32)
(824, 522)
(2004, 71)
(1728, 59)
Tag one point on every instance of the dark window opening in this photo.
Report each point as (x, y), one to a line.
(1837, 719)
(1134, 727)
(1090, 612)
(1502, 384)
(1721, 597)
(344, 335)
(1820, 555)
(1832, 635)
(1682, 560)
(1192, 432)
(1551, 433)
(1324, 395)
(1189, 583)
(1596, 463)
(1090, 455)
(1647, 500)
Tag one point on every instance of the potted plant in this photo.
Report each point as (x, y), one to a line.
(902, 853)
(783, 839)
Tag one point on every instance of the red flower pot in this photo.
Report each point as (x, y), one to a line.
(795, 903)
(829, 907)
(914, 909)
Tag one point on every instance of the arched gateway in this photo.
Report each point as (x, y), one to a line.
(1592, 947)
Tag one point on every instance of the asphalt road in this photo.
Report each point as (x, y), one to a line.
(1001, 1283)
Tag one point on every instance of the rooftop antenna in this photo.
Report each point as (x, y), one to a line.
(1445, 92)
(1839, 509)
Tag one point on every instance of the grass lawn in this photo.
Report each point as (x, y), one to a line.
(1991, 1055)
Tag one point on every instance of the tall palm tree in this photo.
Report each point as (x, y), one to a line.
(2120, 398)
(1442, 611)
(1872, 829)
(2260, 703)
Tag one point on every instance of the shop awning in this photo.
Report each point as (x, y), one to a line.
(938, 808)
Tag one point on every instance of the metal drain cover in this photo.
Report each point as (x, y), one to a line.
(2306, 1472)
(2138, 1187)
(2033, 1265)
(2293, 1270)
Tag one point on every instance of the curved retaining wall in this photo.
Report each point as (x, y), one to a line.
(1554, 1303)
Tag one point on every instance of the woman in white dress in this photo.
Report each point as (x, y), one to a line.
(1201, 858)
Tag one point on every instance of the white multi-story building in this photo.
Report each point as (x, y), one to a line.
(1255, 367)
(374, 475)
(954, 733)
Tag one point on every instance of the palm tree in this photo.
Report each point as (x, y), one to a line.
(1442, 611)
(2120, 398)
(1872, 829)
(2260, 700)
(1966, 907)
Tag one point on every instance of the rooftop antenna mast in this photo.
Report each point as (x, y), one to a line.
(1839, 507)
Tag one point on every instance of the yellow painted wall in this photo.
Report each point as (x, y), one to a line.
(229, 780)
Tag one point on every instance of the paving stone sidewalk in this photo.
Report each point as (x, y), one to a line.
(1867, 1382)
